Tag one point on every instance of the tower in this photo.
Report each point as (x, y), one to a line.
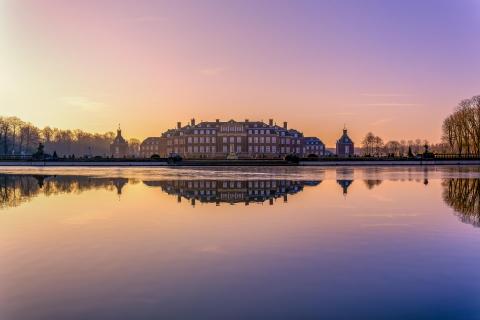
(119, 146)
(345, 145)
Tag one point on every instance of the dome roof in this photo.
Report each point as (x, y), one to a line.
(345, 139)
(119, 139)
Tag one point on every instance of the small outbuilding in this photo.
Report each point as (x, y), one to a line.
(345, 145)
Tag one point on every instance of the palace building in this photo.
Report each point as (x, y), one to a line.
(231, 140)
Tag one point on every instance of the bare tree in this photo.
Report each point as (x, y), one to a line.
(461, 130)
(368, 144)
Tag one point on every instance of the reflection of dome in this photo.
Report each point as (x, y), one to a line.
(312, 183)
(119, 138)
(345, 184)
(119, 183)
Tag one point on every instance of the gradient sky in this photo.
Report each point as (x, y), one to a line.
(396, 68)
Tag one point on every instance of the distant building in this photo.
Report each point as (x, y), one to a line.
(119, 146)
(152, 146)
(345, 146)
(232, 139)
(313, 146)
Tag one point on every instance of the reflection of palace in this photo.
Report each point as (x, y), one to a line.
(231, 191)
(463, 195)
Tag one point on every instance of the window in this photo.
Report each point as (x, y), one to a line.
(256, 149)
(262, 132)
(267, 148)
(261, 139)
(255, 139)
(267, 131)
(214, 149)
(249, 139)
(202, 139)
(213, 139)
(274, 149)
(262, 149)
(225, 149)
(232, 139)
(250, 148)
(189, 139)
(195, 140)
(239, 139)
(207, 149)
(256, 131)
(202, 149)
(267, 139)
(207, 131)
(239, 148)
(195, 149)
(250, 132)
(224, 139)
(201, 131)
(274, 140)
(207, 139)
(195, 131)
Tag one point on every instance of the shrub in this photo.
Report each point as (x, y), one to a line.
(292, 158)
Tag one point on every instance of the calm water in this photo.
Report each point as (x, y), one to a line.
(252, 243)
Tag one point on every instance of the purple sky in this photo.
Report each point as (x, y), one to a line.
(396, 68)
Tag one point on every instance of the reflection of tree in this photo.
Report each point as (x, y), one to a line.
(231, 191)
(463, 195)
(16, 189)
(370, 183)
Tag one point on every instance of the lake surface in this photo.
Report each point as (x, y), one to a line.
(240, 243)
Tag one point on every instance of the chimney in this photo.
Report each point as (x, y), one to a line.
(192, 121)
(179, 125)
(217, 120)
(270, 122)
(246, 120)
(285, 125)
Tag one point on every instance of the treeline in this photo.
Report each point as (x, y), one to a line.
(461, 130)
(373, 145)
(18, 137)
